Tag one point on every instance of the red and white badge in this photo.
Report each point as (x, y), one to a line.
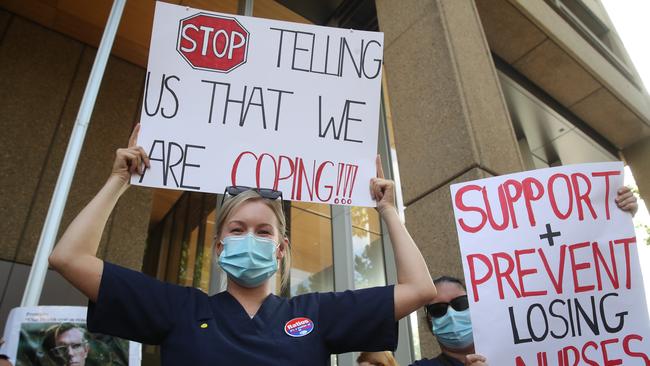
(298, 327)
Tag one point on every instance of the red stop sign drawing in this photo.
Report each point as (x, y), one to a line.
(212, 42)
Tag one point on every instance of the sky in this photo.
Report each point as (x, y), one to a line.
(631, 20)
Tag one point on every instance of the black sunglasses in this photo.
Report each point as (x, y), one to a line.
(267, 193)
(439, 309)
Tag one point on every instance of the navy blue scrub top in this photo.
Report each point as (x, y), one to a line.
(196, 329)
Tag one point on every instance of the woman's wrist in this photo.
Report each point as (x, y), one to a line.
(117, 183)
(388, 211)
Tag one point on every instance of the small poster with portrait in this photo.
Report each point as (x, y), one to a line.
(57, 335)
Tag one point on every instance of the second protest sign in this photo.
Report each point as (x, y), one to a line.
(551, 268)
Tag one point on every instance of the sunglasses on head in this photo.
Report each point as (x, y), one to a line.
(267, 193)
(439, 309)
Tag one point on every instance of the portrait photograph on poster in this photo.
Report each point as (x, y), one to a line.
(63, 344)
(58, 336)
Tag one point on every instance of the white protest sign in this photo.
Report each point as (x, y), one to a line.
(53, 335)
(235, 100)
(551, 268)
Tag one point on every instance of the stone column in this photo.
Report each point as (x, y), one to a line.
(450, 120)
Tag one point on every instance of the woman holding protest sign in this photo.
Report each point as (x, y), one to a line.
(247, 324)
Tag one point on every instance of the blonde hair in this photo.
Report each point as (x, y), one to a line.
(276, 206)
(383, 358)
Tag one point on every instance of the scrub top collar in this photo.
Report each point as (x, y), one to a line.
(225, 301)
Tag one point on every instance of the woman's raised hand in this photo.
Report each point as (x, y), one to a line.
(382, 190)
(130, 160)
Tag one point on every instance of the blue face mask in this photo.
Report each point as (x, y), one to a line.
(454, 329)
(248, 259)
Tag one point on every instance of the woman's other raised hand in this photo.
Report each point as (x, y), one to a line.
(130, 160)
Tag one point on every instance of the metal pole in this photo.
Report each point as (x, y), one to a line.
(57, 205)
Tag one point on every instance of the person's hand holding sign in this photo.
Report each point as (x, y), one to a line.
(626, 200)
(475, 360)
(382, 190)
(130, 160)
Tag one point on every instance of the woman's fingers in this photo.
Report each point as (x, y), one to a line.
(379, 192)
(378, 188)
(475, 360)
(624, 202)
(136, 157)
(122, 158)
(624, 196)
(126, 158)
(144, 156)
(380, 170)
(623, 190)
(375, 189)
(632, 207)
(133, 139)
(143, 159)
(138, 164)
(132, 159)
(381, 188)
(371, 186)
(133, 162)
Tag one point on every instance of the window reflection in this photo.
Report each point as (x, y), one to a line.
(369, 269)
(177, 239)
(165, 242)
(311, 248)
(188, 257)
(202, 271)
(180, 246)
(365, 218)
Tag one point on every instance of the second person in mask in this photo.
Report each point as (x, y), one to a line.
(449, 320)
